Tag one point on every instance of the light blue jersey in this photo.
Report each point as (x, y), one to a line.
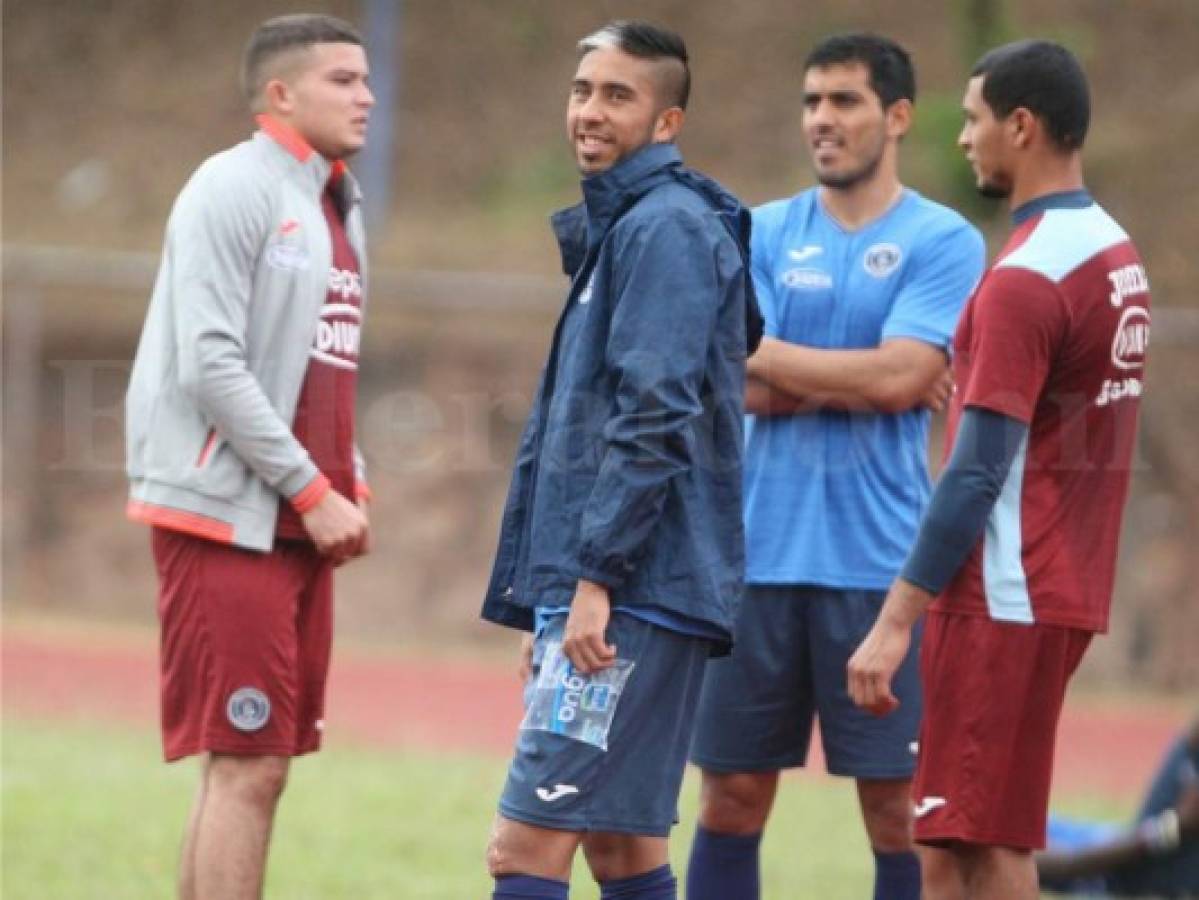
(833, 498)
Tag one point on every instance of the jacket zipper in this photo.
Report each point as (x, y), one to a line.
(206, 450)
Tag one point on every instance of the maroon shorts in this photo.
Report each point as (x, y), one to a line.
(245, 646)
(992, 696)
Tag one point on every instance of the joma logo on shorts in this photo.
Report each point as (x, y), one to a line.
(559, 791)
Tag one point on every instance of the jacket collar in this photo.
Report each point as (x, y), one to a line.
(607, 193)
(322, 171)
(606, 197)
(1075, 199)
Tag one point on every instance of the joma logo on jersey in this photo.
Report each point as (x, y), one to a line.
(1132, 339)
(1126, 281)
(1114, 389)
(345, 282)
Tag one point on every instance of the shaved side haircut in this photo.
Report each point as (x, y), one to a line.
(277, 43)
(646, 41)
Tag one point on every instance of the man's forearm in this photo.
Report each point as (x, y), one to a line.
(763, 399)
(984, 450)
(905, 604)
(878, 379)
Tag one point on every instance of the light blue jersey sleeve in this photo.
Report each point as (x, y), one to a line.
(946, 269)
(761, 252)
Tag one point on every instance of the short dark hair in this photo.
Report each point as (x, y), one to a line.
(285, 33)
(646, 41)
(1046, 79)
(892, 75)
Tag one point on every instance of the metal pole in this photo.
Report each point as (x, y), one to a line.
(22, 423)
(384, 47)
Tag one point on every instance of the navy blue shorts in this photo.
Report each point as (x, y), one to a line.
(788, 666)
(633, 786)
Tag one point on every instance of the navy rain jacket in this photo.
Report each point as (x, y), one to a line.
(629, 469)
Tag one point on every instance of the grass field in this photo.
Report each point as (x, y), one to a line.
(91, 812)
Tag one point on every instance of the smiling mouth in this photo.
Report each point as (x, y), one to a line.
(591, 143)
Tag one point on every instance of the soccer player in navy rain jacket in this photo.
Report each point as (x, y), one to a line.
(621, 543)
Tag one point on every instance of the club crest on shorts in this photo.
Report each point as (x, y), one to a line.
(882, 259)
(248, 709)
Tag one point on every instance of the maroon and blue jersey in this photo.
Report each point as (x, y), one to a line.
(1055, 336)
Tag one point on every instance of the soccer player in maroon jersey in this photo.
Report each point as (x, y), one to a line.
(240, 439)
(1015, 558)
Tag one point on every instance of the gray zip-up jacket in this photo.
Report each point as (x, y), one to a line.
(224, 350)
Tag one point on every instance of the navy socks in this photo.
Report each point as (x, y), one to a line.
(658, 884)
(723, 866)
(529, 887)
(896, 876)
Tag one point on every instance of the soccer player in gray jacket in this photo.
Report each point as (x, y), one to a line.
(240, 444)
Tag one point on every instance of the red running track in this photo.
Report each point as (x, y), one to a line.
(1105, 747)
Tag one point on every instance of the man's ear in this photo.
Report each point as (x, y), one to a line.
(669, 124)
(1023, 127)
(277, 97)
(899, 118)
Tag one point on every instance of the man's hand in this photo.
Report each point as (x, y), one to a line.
(937, 396)
(367, 542)
(583, 639)
(337, 527)
(874, 664)
(878, 657)
(525, 669)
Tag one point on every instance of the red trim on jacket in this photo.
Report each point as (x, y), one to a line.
(207, 449)
(179, 520)
(312, 494)
(295, 144)
(286, 136)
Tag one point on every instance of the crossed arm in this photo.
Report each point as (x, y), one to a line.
(898, 375)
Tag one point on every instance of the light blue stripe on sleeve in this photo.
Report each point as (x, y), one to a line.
(1004, 581)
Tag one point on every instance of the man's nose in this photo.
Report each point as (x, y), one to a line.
(592, 108)
(819, 113)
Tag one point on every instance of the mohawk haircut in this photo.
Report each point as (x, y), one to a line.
(646, 41)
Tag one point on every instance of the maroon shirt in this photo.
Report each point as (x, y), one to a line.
(324, 420)
(1055, 336)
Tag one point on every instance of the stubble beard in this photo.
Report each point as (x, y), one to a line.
(994, 190)
(847, 180)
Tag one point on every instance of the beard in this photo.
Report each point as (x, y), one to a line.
(995, 185)
(994, 190)
(842, 181)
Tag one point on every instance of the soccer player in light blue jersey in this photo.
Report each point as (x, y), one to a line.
(860, 281)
